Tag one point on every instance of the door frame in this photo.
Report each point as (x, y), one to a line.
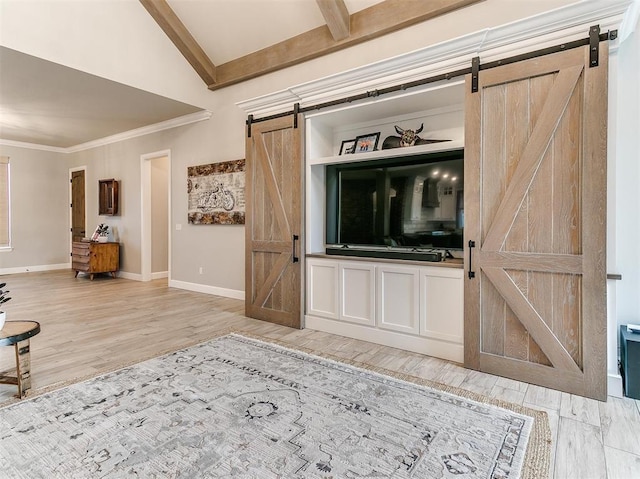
(145, 213)
(71, 171)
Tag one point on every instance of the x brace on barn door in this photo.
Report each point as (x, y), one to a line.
(476, 67)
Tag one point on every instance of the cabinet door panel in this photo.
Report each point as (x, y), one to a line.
(357, 285)
(441, 307)
(322, 278)
(397, 294)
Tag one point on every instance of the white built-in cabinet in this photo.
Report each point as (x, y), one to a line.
(412, 307)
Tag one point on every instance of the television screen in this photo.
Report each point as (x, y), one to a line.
(411, 203)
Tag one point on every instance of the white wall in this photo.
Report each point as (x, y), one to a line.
(39, 211)
(626, 187)
(623, 195)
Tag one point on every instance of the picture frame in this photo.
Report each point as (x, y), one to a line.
(107, 197)
(347, 147)
(366, 143)
(215, 193)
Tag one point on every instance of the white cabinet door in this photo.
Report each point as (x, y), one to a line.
(397, 292)
(322, 288)
(442, 304)
(357, 288)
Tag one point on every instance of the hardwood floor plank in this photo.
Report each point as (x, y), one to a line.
(620, 425)
(506, 394)
(621, 464)
(580, 453)
(580, 409)
(478, 382)
(540, 396)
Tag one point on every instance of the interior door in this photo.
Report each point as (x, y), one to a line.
(77, 205)
(274, 222)
(535, 204)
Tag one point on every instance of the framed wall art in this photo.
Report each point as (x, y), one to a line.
(216, 193)
(347, 147)
(365, 143)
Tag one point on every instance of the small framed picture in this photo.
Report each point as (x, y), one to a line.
(366, 143)
(347, 147)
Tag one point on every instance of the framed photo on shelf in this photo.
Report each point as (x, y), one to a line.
(347, 147)
(365, 143)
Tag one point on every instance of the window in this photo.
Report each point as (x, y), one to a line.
(4, 202)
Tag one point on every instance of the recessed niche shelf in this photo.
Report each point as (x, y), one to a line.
(108, 197)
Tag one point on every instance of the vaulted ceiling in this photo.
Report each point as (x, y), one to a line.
(225, 41)
(297, 31)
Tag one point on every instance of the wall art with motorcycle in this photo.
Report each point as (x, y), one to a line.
(216, 193)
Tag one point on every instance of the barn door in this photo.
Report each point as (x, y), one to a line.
(535, 178)
(274, 222)
(77, 205)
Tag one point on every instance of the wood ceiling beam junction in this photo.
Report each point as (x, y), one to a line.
(173, 27)
(336, 15)
(375, 21)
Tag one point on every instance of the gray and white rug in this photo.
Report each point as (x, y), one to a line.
(242, 408)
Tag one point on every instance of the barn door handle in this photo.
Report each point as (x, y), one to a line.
(295, 259)
(472, 274)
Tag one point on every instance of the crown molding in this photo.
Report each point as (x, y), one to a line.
(145, 130)
(32, 146)
(561, 25)
(127, 135)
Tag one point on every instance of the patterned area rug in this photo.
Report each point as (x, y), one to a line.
(243, 408)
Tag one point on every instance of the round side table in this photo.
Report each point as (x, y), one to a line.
(17, 333)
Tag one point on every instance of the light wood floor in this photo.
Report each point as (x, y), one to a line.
(92, 326)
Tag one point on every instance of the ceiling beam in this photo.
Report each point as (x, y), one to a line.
(380, 19)
(336, 15)
(166, 18)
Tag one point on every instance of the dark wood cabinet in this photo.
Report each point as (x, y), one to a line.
(91, 258)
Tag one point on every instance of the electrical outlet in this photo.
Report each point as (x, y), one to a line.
(201, 270)
(178, 226)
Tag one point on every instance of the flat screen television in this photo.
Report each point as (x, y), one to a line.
(401, 208)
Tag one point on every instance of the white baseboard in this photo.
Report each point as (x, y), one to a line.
(138, 276)
(203, 288)
(127, 275)
(614, 385)
(29, 269)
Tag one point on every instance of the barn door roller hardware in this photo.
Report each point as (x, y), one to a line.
(475, 72)
(296, 110)
(594, 38)
(249, 121)
(594, 50)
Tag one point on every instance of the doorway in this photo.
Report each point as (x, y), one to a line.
(155, 214)
(77, 213)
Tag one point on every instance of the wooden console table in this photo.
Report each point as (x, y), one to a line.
(92, 257)
(17, 333)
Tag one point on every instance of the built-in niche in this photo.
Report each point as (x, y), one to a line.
(108, 197)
